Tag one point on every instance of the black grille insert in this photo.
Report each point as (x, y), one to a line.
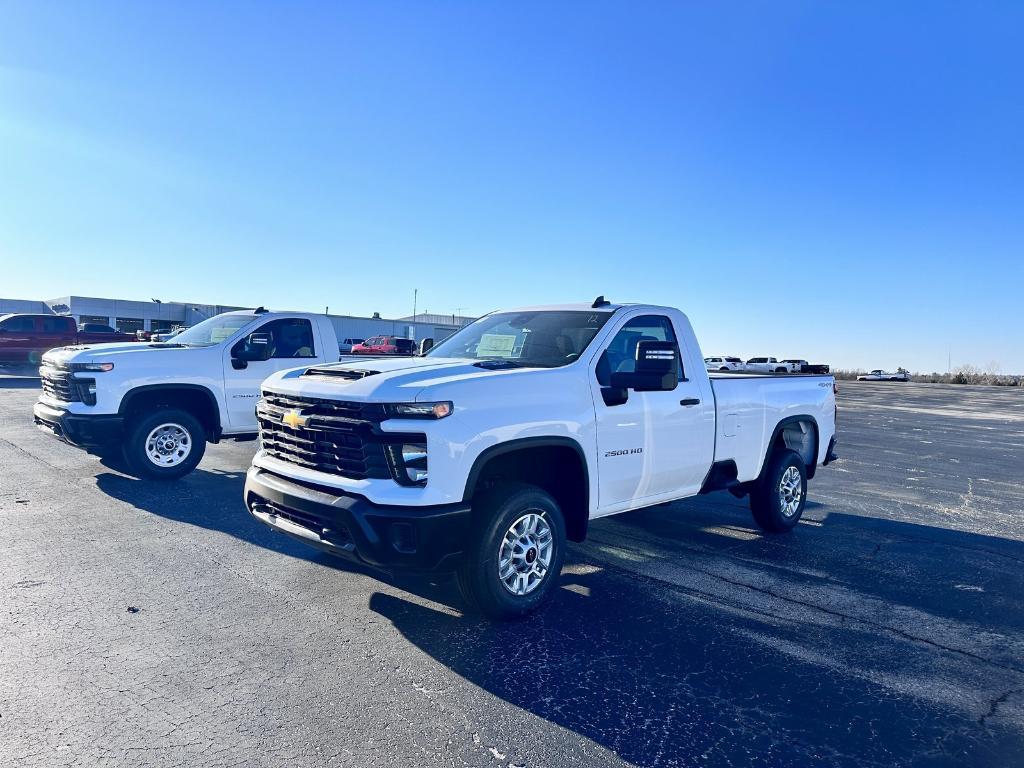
(337, 437)
(58, 384)
(333, 532)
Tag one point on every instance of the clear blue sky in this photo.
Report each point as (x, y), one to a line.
(837, 181)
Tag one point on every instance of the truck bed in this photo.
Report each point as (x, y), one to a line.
(749, 407)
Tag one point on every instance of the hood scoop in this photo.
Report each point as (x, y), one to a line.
(165, 345)
(349, 374)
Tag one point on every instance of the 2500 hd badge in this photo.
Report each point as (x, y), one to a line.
(625, 452)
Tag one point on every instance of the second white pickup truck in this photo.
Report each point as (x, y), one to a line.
(160, 403)
(504, 441)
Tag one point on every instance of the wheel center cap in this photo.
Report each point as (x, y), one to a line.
(531, 554)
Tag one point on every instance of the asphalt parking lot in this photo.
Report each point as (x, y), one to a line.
(145, 624)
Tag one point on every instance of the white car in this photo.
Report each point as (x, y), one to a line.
(723, 364)
(490, 453)
(879, 375)
(161, 403)
(766, 365)
(345, 345)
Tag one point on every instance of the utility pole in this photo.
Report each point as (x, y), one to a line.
(415, 295)
(458, 312)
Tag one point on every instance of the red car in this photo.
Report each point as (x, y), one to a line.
(24, 338)
(385, 345)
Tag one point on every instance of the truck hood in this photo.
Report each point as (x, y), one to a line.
(385, 380)
(113, 352)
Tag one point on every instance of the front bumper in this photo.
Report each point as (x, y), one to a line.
(409, 538)
(79, 429)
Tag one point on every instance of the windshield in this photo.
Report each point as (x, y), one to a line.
(213, 331)
(543, 339)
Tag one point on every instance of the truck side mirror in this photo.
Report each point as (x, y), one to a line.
(256, 347)
(426, 345)
(657, 368)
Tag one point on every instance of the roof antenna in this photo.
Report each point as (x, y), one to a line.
(600, 302)
(260, 310)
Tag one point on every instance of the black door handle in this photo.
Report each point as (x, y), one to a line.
(690, 401)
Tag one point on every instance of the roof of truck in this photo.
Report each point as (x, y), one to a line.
(609, 308)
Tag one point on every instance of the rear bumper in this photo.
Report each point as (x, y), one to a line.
(407, 538)
(78, 429)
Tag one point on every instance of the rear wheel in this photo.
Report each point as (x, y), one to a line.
(164, 445)
(778, 498)
(515, 552)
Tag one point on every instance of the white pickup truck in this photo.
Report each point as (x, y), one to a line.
(488, 453)
(879, 375)
(160, 403)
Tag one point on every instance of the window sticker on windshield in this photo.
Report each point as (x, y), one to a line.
(496, 345)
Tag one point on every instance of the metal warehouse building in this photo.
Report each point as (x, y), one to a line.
(131, 316)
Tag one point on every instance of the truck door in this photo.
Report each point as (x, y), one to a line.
(277, 345)
(656, 444)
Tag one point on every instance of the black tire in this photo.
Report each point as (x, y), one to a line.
(478, 575)
(724, 370)
(766, 498)
(136, 454)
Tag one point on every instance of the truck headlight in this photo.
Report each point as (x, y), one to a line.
(409, 463)
(93, 367)
(420, 410)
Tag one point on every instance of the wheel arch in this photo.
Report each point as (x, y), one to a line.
(195, 398)
(556, 464)
(798, 433)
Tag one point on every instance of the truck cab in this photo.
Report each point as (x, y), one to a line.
(159, 403)
(505, 440)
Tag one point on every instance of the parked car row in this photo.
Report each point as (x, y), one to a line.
(726, 364)
(485, 457)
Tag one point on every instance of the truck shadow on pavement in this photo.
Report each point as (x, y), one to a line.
(679, 635)
(703, 651)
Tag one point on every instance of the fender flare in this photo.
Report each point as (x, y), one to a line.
(775, 436)
(135, 392)
(519, 444)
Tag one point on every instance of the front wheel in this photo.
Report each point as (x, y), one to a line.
(778, 498)
(164, 445)
(515, 552)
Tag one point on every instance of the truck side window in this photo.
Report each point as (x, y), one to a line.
(620, 356)
(289, 337)
(20, 324)
(57, 325)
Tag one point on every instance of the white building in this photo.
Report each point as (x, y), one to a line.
(131, 316)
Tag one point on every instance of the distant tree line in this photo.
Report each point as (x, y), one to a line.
(963, 374)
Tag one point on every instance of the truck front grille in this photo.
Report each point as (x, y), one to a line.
(332, 436)
(58, 384)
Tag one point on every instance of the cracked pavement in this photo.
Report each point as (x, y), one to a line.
(158, 625)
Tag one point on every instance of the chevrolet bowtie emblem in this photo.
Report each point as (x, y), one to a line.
(295, 418)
